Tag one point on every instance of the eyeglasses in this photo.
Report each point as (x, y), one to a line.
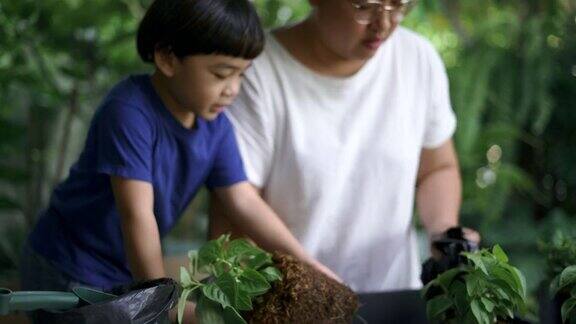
(365, 11)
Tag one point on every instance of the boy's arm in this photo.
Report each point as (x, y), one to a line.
(135, 203)
(246, 210)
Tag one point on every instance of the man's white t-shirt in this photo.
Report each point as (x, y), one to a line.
(337, 158)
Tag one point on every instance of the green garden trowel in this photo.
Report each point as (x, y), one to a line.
(50, 300)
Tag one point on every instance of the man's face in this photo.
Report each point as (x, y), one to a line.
(206, 84)
(340, 30)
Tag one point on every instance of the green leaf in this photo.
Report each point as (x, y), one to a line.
(193, 262)
(501, 293)
(437, 306)
(479, 313)
(271, 274)
(253, 282)
(209, 253)
(216, 294)
(500, 254)
(568, 277)
(460, 297)
(231, 316)
(209, 312)
(221, 267)
(446, 278)
(511, 278)
(521, 280)
(567, 308)
(259, 260)
(477, 261)
(510, 292)
(241, 247)
(244, 301)
(185, 279)
(229, 286)
(488, 305)
(473, 284)
(182, 303)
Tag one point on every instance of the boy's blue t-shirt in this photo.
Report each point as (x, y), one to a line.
(134, 136)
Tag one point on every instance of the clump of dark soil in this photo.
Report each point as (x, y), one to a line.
(304, 296)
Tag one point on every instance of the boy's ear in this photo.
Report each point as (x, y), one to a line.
(165, 61)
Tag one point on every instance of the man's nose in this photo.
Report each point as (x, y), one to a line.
(383, 21)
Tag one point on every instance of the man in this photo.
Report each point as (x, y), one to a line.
(343, 122)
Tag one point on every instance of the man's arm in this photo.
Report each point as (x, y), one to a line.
(439, 192)
(135, 203)
(439, 189)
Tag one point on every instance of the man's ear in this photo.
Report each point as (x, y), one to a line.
(165, 61)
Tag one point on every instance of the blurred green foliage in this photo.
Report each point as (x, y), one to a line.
(512, 66)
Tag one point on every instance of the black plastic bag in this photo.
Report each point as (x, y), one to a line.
(142, 303)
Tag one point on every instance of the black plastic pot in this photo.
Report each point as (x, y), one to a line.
(549, 307)
(398, 307)
(404, 307)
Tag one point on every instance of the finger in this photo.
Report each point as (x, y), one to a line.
(471, 235)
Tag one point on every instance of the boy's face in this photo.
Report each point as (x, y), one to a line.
(205, 84)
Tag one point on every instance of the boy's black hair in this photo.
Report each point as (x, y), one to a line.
(191, 27)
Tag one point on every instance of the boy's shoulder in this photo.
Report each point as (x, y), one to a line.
(131, 90)
(128, 101)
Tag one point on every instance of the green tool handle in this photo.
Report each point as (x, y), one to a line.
(35, 300)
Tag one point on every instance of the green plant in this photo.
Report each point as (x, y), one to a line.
(235, 274)
(565, 284)
(486, 289)
(560, 253)
(561, 272)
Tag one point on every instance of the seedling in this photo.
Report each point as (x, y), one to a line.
(226, 277)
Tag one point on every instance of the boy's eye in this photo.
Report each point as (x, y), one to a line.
(220, 76)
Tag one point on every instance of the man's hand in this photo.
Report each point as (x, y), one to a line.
(468, 234)
(472, 235)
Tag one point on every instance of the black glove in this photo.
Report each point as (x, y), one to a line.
(449, 246)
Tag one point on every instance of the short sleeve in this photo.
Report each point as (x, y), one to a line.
(441, 120)
(254, 126)
(227, 168)
(124, 141)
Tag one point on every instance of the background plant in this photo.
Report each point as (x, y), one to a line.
(560, 255)
(565, 284)
(484, 291)
(235, 274)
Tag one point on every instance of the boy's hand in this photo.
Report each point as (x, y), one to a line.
(324, 269)
(189, 314)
